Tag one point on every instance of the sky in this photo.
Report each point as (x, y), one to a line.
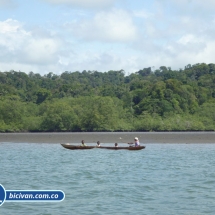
(55, 36)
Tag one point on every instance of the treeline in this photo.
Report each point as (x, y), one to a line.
(160, 100)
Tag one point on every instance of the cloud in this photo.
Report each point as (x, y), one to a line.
(83, 3)
(113, 26)
(195, 48)
(101, 61)
(195, 8)
(142, 14)
(194, 3)
(9, 26)
(40, 51)
(188, 49)
(12, 36)
(7, 3)
(163, 32)
(21, 47)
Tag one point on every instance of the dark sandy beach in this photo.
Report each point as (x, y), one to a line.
(109, 137)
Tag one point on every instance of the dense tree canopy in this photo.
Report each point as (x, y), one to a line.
(160, 100)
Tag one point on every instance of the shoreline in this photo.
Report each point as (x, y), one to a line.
(109, 137)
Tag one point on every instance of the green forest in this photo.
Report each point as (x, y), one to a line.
(159, 100)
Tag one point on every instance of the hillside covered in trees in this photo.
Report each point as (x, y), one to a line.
(160, 100)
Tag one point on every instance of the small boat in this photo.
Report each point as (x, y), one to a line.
(73, 147)
(121, 147)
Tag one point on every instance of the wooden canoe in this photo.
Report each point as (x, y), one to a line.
(120, 147)
(73, 147)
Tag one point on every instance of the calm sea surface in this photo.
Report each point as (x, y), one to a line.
(161, 179)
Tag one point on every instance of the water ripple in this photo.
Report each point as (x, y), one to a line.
(162, 179)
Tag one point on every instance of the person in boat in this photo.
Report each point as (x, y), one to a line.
(98, 144)
(116, 144)
(83, 143)
(136, 142)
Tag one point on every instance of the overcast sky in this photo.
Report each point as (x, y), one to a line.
(74, 35)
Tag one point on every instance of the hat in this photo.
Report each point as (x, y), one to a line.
(136, 138)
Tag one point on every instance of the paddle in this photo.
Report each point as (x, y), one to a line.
(125, 142)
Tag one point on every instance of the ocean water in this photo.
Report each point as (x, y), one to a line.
(160, 179)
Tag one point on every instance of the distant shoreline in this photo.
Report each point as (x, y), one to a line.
(108, 137)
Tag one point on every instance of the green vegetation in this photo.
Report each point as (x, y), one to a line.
(160, 100)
